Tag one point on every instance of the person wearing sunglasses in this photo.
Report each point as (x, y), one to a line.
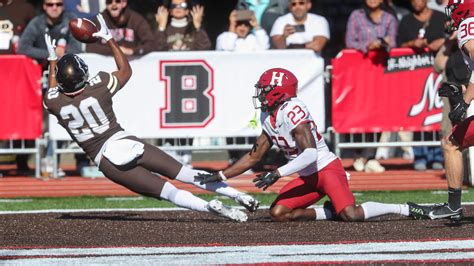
(53, 21)
(300, 29)
(130, 30)
(180, 28)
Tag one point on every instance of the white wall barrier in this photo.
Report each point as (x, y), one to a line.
(202, 94)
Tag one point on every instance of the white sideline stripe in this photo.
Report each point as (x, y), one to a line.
(354, 252)
(446, 192)
(109, 210)
(15, 200)
(124, 198)
(144, 209)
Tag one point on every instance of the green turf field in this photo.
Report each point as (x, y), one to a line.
(265, 198)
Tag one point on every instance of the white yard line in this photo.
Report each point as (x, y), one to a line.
(138, 209)
(415, 251)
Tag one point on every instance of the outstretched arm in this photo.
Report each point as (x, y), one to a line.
(52, 59)
(261, 146)
(124, 71)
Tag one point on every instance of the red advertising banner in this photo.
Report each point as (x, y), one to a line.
(385, 92)
(20, 98)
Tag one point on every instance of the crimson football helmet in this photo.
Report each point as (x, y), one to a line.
(275, 86)
(459, 10)
(72, 74)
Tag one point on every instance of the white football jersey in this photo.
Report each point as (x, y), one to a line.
(465, 34)
(291, 114)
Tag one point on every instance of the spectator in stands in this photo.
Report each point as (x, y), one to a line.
(240, 36)
(423, 31)
(14, 16)
(180, 28)
(370, 28)
(85, 8)
(300, 29)
(266, 12)
(130, 30)
(53, 21)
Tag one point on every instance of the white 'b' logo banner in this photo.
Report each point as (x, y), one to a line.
(277, 76)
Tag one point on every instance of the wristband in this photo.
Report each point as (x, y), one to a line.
(222, 176)
(471, 80)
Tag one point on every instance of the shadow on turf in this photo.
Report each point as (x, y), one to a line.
(126, 217)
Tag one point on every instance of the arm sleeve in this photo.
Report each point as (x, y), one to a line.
(263, 41)
(352, 40)
(277, 28)
(160, 41)
(202, 41)
(307, 157)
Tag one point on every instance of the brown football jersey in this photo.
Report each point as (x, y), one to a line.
(88, 117)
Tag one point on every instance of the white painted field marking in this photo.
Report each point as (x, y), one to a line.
(419, 251)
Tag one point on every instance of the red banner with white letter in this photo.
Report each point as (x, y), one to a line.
(20, 98)
(385, 92)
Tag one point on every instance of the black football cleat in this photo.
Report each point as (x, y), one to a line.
(418, 212)
(441, 211)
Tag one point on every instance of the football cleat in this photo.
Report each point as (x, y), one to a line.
(247, 201)
(418, 212)
(440, 211)
(218, 208)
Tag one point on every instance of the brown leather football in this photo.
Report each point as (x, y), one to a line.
(82, 29)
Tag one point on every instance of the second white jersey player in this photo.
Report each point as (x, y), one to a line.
(280, 126)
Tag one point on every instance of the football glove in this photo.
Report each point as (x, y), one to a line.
(458, 112)
(451, 90)
(265, 180)
(51, 46)
(104, 31)
(208, 178)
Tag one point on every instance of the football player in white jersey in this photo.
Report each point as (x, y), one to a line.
(288, 124)
(461, 13)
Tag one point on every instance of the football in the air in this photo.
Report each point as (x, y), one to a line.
(82, 29)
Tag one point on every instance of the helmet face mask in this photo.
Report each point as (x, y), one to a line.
(259, 100)
(274, 87)
(72, 74)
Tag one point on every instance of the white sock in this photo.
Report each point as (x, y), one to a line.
(187, 175)
(323, 214)
(374, 209)
(183, 198)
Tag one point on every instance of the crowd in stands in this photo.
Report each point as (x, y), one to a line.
(180, 25)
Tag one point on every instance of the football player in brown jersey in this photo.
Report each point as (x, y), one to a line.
(83, 107)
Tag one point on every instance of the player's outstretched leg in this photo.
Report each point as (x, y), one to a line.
(186, 199)
(187, 175)
(158, 161)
